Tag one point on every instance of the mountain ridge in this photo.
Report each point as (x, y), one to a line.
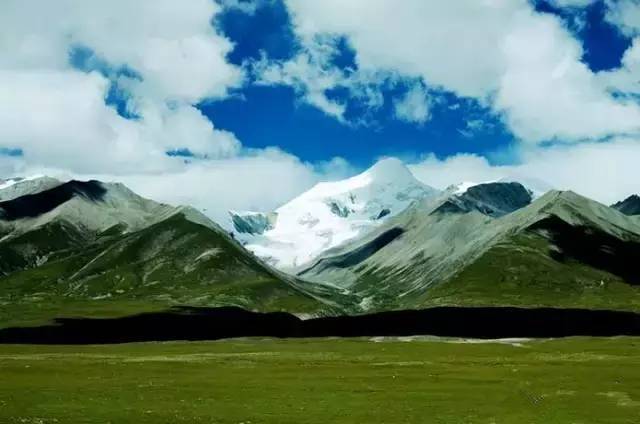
(430, 248)
(629, 206)
(88, 245)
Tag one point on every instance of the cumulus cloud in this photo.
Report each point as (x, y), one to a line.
(624, 81)
(309, 74)
(313, 75)
(625, 14)
(525, 64)
(606, 172)
(59, 118)
(58, 114)
(172, 45)
(547, 93)
(163, 57)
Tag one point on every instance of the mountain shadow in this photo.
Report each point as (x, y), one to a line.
(593, 247)
(221, 323)
(33, 205)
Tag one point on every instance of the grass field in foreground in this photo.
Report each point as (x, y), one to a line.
(576, 380)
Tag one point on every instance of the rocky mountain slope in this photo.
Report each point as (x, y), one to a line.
(16, 187)
(378, 241)
(629, 206)
(561, 250)
(330, 214)
(83, 245)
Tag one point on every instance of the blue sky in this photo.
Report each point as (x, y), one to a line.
(264, 116)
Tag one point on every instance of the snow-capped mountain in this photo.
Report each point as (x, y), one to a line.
(329, 214)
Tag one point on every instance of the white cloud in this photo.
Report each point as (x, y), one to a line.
(312, 74)
(606, 172)
(59, 119)
(525, 64)
(414, 106)
(309, 75)
(572, 3)
(258, 180)
(246, 6)
(625, 14)
(171, 44)
(547, 93)
(58, 115)
(625, 80)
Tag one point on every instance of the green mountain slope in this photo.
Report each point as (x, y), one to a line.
(563, 251)
(62, 267)
(549, 264)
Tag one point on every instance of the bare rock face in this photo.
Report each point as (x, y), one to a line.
(629, 206)
(492, 199)
(253, 222)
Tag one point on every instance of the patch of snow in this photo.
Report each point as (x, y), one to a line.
(463, 187)
(12, 181)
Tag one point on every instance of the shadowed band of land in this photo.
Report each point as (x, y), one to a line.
(186, 323)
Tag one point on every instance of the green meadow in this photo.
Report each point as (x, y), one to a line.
(419, 380)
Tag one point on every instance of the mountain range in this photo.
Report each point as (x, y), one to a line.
(379, 241)
(96, 246)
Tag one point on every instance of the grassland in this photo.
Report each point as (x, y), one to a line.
(575, 380)
(173, 262)
(521, 272)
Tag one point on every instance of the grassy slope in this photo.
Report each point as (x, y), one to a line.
(521, 272)
(173, 262)
(324, 381)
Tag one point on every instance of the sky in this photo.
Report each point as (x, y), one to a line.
(243, 104)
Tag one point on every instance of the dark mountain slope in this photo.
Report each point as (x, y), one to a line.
(629, 206)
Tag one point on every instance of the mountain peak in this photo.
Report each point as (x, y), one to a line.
(629, 206)
(389, 169)
(493, 199)
(330, 213)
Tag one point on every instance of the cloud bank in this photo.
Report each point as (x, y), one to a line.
(607, 172)
(524, 64)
